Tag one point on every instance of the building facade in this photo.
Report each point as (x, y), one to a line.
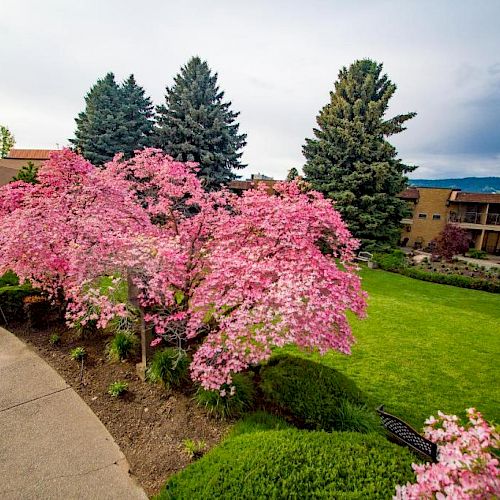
(433, 208)
(18, 158)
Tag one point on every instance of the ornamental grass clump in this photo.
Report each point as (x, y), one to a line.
(229, 402)
(169, 368)
(123, 345)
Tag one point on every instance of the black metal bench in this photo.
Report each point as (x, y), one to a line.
(404, 433)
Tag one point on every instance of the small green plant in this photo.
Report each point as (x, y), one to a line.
(169, 367)
(123, 345)
(118, 388)
(78, 353)
(228, 403)
(194, 449)
(477, 254)
(54, 339)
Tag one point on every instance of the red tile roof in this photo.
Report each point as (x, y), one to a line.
(477, 197)
(29, 154)
(409, 194)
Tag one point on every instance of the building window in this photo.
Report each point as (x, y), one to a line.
(422, 216)
(436, 217)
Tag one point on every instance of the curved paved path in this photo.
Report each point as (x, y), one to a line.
(52, 446)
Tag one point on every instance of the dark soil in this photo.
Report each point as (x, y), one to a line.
(148, 423)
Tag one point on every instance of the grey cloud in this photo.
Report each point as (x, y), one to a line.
(277, 62)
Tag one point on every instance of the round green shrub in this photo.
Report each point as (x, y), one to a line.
(315, 396)
(122, 346)
(295, 464)
(229, 405)
(169, 367)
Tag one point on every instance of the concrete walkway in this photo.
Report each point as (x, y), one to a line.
(52, 446)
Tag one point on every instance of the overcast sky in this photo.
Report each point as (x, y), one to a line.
(276, 60)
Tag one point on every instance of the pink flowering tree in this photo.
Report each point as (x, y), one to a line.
(223, 276)
(467, 469)
(73, 227)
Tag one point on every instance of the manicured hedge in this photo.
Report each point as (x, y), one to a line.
(11, 300)
(396, 263)
(295, 464)
(315, 396)
(452, 279)
(391, 261)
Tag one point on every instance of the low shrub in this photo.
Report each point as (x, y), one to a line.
(295, 464)
(11, 300)
(452, 279)
(118, 388)
(477, 254)
(169, 367)
(390, 261)
(123, 345)
(228, 403)
(9, 279)
(78, 353)
(315, 396)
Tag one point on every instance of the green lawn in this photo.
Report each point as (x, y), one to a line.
(425, 347)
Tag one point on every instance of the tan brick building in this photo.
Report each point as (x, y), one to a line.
(18, 158)
(433, 208)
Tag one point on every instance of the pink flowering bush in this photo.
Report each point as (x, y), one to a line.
(466, 469)
(226, 277)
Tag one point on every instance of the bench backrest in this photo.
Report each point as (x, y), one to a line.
(365, 255)
(407, 435)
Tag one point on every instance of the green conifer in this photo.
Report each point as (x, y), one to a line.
(27, 173)
(196, 125)
(350, 159)
(116, 119)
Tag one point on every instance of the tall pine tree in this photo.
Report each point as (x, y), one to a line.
(196, 125)
(350, 159)
(116, 119)
(138, 113)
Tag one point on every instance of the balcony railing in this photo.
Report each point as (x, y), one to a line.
(475, 218)
(493, 219)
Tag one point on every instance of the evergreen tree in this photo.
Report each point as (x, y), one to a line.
(116, 119)
(27, 173)
(292, 174)
(350, 159)
(138, 115)
(196, 125)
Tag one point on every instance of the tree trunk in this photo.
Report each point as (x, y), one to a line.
(144, 329)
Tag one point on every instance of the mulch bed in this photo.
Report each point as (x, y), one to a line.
(148, 423)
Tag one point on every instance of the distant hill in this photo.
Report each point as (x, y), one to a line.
(470, 184)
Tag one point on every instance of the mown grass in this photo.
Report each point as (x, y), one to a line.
(425, 347)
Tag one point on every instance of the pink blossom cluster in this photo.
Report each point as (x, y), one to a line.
(466, 468)
(230, 277)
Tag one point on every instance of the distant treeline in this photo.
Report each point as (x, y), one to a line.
(471, 184)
